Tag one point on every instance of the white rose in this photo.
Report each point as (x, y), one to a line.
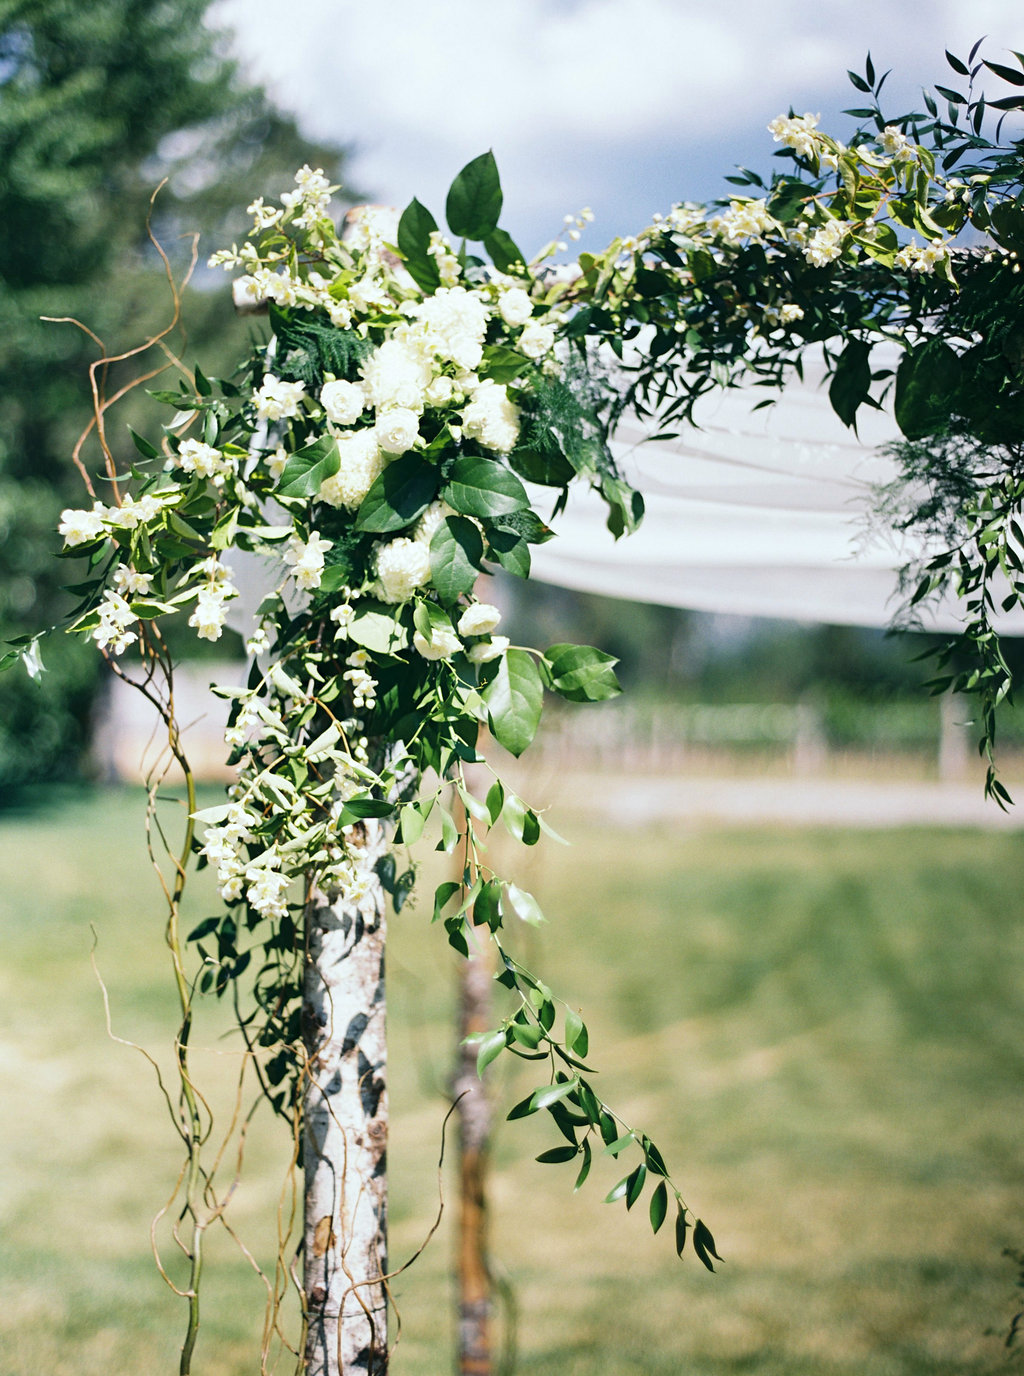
(403, 565)
(536, 340)
(343, 401)
(515, 307)
(486, 650)
(443, 643)
(440, 391)
(397, 429)
(479, 619)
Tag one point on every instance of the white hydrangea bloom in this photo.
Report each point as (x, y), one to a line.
(343, 401)
(479, 619)
(536, 340)
(361, 464)
(515, 306)
(486, 650)
(277, 400)
(423, 531)
(403, 565)
(492, 418)
(79, 527)
(443, 643)
(397, 374)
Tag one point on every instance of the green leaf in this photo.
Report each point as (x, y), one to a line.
(474, 201)
(659, 1206)
(556, 1155)
(491, 1047)
(576, 1038)
(515, 699)
(309, 467)
(704, 1244)
(487, 908)
(551, 1094)
(585, 1168)
(443, 895)
(414, 231)
(504, 253)
(926, 382)
(495, 801)
(619, 1144)
(456, 552)
(375, 626)
(483, 487)
(147, 450)
(681, 1227)
(510, 550)
(502, 364)
(399, 495)
(354, 808)
(625, 506)
(617, 1191)
(581, 673)
(851, 381)
(528, 1034)
(208, 925)
(636, 1185)
(549, 467)
(525, 905)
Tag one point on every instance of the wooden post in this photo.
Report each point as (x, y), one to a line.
(345, 1123)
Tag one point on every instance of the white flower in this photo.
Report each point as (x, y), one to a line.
(128, 582)
(277, 400)
(536, 340)
(423, 531)
(397, 429)
(515, 306)
(196, 457)
(913, 258)
(115, 617)
(79, 527)
(440, 391)
(743, 220)
(276, 461)
(210, 614)
(343, 401)
(258, 643)
(796, 133)
(403, 565)
(454, 322)
(397, 374)
(135, 511)
(361, 464)
(826, 243)
(896, 144)
(307, 559)
(443, 643)
(479, 619)
(491, 418)
(342, 616)
(486, 650)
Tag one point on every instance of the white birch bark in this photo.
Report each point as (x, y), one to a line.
(345, 1110)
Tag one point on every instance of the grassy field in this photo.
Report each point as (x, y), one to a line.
(821, 1028)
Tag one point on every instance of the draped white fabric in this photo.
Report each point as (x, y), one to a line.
(757, 512)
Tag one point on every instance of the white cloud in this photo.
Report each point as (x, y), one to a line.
(561, 89)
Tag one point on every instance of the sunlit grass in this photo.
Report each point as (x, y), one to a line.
(822, 1029)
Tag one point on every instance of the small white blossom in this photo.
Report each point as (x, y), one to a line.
(79, 527)
(536, 340)
(515, 306)
(796, 132)
(277, 400)
(826, 243)
(307, 559)
(203, 459)
(128, 582)
(896, 144)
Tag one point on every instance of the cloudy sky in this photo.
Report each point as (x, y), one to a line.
(622, 105)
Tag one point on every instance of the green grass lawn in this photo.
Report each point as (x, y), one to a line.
(821, 1028)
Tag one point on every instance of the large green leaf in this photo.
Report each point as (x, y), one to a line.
(414, 231)
(484, 487)
(402, 492)
(308, 467)
(375, 626)
(456, 550)
(851, 381)
(505, 254)
(510, 550)
(547, 466)
(515, 698)
(474, 201)
(926, 382)
(580, 673)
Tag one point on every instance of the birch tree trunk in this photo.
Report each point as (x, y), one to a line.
(474, 1116)
(345, 1108)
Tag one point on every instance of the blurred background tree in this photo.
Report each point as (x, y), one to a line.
(98, 103)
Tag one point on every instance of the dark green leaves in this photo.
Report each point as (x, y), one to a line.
(483, 487)
(704, 1244)
(308, 467)
(925, 383)
(580, 673)
(456, 550)
(851, 381)
(414, 231)
(402, 492)
(514, 699)
(474, 201)
(505, 255)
